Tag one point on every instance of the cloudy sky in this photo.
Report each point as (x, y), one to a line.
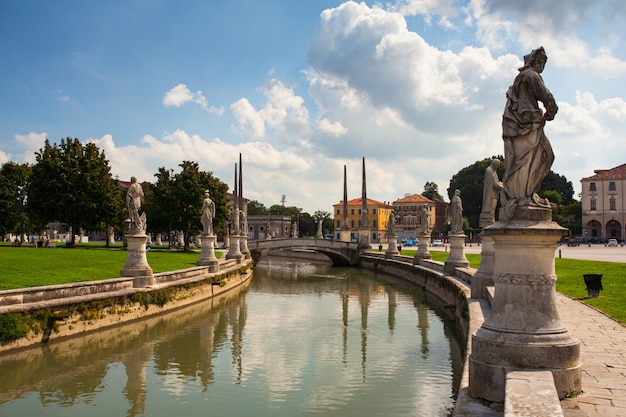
(302, 88)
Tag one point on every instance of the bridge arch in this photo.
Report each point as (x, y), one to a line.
(340, 253)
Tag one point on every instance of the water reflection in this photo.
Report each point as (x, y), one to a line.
(301, 339)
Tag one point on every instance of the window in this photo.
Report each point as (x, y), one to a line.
(352, 223)
(360, 224)
(592, 187)
(338, 224)
(612, 186)
(352, 211)
(593, 204)
(373, 211)
(338, 211)
(612, 203)
(375, 224)
(359, 211)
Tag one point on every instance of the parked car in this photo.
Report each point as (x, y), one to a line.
(612, 242)
(437, 242)
(411, 242)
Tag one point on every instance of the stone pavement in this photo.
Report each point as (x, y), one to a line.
(603, 357)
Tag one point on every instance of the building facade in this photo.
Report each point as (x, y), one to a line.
(603, 201)
(407, 213)
(270, 226)
(377, 219)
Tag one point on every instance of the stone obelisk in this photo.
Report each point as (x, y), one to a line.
(364, 230)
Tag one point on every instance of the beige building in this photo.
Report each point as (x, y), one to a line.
(407, 213)
(604, 203)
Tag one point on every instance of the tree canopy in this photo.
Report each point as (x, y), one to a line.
(71, 183)
(431, 191)
(14, 179)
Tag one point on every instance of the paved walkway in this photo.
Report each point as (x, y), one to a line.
(603, 357)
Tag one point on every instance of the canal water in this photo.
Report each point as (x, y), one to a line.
(302, 339)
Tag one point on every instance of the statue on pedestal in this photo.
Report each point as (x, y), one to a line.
(207, 214)
(456, 207)
(134, 198)
(527, 152)
(424, 223)
(491, 191)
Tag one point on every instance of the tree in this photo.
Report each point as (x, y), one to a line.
(175, 201)
(431, 191)
(324, 217)
(256, 208)
(561, 185)
(72, 184)
(14, 179)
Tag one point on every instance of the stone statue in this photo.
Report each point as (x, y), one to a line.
(234, 220)
(243, 219)
(134, 198)
(424, 224)
(390, 223)
(456, 207)
(206, 214)
(320, 234)
(492, 186)
(527, 151)
(294, 229)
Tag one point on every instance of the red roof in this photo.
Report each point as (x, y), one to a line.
(359, 202)
(415, 198)
(617, 173)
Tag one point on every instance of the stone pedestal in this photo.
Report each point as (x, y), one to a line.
(422, 248)
(392, 246)
(523, 330)
(483, 278)
(344, 236)
(136, 261)
(233, 250)
(457, 257)
(207, 255)
(243, 247)
(364, 240)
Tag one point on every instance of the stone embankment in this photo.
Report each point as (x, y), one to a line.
(59, 311)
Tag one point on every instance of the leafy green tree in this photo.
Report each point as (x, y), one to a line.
(159, 203)
(324, 217)
(431, 191)
(72, 183)
(256, 208)
(14, 217)
(560, 184)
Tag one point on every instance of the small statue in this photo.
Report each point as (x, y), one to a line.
(134, 198)
(424, 223)
(243, 219)
(491, 191)
(207, 214)
(390, 223)
(456, 206)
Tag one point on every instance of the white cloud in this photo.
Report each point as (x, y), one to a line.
(181, 94)
(31, 143)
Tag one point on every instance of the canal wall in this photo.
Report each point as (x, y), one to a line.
(56, 312)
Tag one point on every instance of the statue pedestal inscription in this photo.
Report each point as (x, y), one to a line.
(207, 255)
(523, 330)
(136, 261)
(422, 248)
(457, 257)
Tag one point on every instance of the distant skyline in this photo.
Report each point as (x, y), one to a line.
(302, 88)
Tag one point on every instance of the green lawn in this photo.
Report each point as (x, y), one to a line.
(30, 267)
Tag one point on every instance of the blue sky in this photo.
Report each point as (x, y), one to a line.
(302, 88)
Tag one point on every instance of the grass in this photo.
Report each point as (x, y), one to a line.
(29, 267)
(569, 272)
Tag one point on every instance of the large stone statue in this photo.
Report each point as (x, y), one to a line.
(492, 186)
(206, 214)
(234, 220)
(424, 223)
(456, 207)
(134, 198)
(527, 151)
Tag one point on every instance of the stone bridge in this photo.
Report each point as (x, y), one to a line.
(340, 253)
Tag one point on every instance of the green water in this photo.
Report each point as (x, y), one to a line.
(302, 340)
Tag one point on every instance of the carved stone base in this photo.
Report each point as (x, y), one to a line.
(392, 247)
(207, 255)
(523, 330)
(136, 261)
(457, 257)
(243, 247)
(422, 249)
(483, 278)
(233, 250)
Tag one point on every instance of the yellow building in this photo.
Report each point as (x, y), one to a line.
(377, 218)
